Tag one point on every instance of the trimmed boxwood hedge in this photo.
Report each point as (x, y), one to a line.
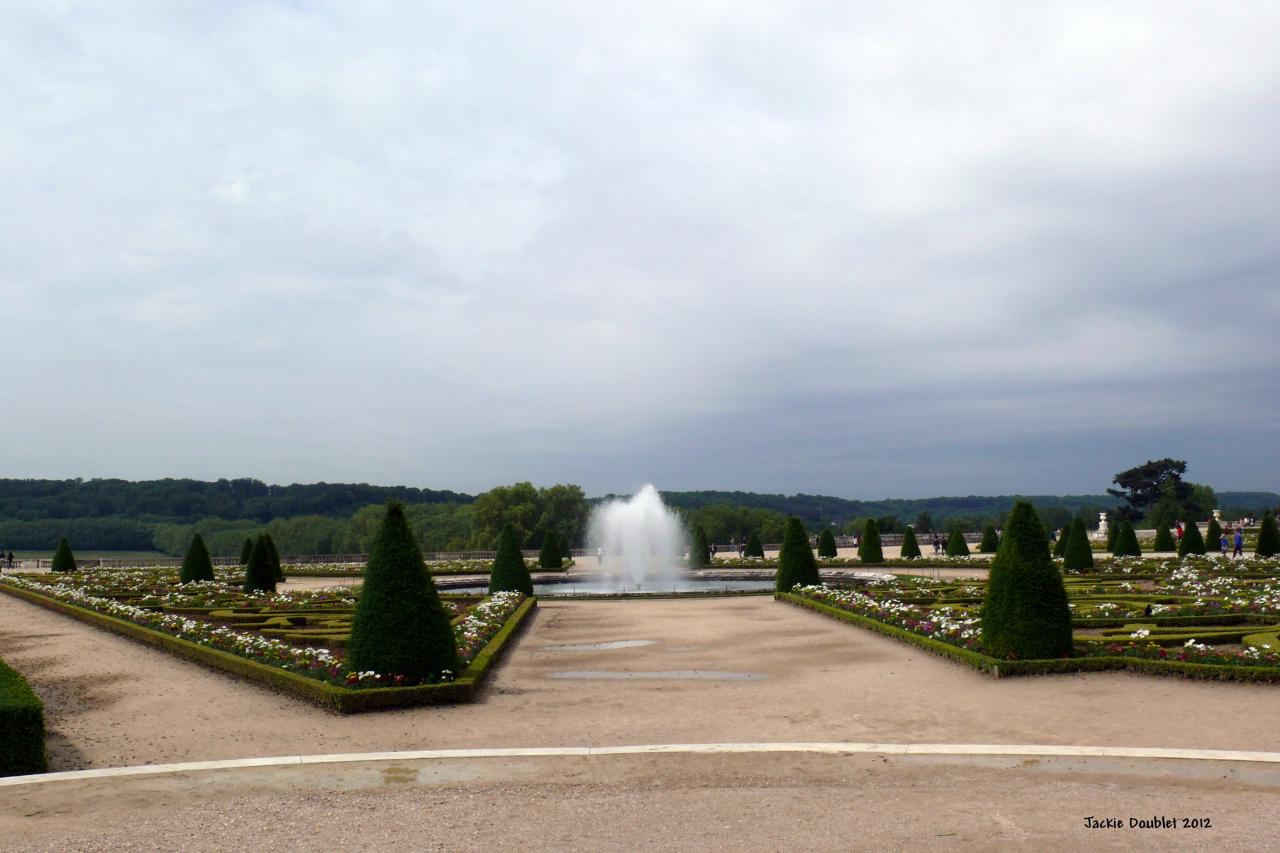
(341, 699)
(21, 726)
(1000, 668)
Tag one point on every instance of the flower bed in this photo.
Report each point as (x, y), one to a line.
(1192, 622)
(225, 625)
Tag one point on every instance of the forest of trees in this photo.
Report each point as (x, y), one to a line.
(337, 518)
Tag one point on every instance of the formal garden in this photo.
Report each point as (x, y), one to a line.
(394, 641)
(1194, 616)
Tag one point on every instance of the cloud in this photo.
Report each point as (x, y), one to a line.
(862, 249)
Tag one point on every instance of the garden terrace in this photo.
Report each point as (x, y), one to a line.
(294, 641)
(1188, 618)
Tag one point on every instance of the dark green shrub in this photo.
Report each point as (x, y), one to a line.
(1268, 537)
(796, 563)
(549, 557)
(990, 541)
(21, 726)
(754, 548)
(259, 572)
(956, 546)
(1192, 542)
(63, 559)
(1113, 533)
(1127, 541)
(910, 547)
(196, 565)
(827, 544)
(699, 550)
(1060, 547)
(275, 557)
(1164, 539)
(869, 550)
(1025, 613)
(1213, 536)
(1078, 556)
(245, 551)
(509, 572)
(400, 627)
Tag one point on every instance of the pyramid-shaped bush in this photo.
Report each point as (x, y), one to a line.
(1025, 613)
(910, 547)
(827, 544)
(796, 563)
(1164, 539)
(1127, 541)
(699, 550)
(196, 565)
(1060, 547)
(549, 557)
(1213, 535)
(990, 541)
(1078, 556)
(956, 546)
(260, 572)
(869, 550)
(1192, 542)
(1113, 533)
(754, 548)
(400, 627)
(275, 556)
(245, 551)
(509, 572)
(1268, 537)
(63, 559)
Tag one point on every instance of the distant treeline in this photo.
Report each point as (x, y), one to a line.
(192, 500)
(336, 518)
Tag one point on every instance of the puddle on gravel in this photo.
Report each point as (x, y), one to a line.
(598, 647)
(663, 675)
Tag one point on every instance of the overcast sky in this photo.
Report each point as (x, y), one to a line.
(862, 249)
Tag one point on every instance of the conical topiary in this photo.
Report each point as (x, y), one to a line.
(910, 547)
(196, 566)
(1060, 547)
(1192, 542)
(509, 573)
(699, 550)
(1025, 613)
(1268, 537)
(260, 572)
(754, 548)
(400, 627)
(275, 557)
(1079, 556)
(549, 557)
(827, 544)
(1113, 533)
(869, 550)
(990, 541)
(63, 559)
(1126, 542)
(1164, 539)
(796, 564)
(245, 550)
(956, 546)
(1213, 536)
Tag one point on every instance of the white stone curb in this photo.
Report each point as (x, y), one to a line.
(957, 749)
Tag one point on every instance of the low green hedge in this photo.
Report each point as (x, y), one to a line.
(1000, 668)
(21, 726)
(341, 699)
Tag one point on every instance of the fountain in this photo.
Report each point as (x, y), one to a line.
(641, 541)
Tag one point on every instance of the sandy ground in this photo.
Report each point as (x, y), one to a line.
(112, 702)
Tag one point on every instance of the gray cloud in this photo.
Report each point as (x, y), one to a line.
(847, 248)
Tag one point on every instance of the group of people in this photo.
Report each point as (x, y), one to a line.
(6, 560)
(1230, 536)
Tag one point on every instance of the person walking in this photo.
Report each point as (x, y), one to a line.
(1222, 543)
(1238, 539)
